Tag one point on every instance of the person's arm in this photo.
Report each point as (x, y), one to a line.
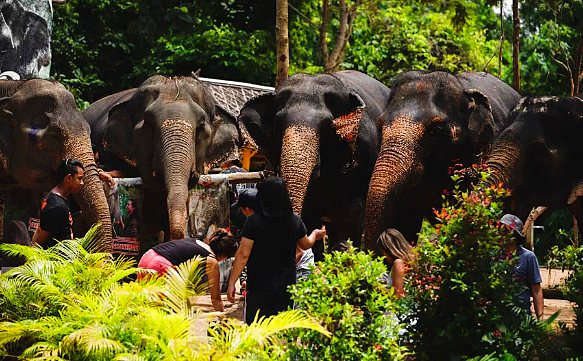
(238, 264)
(214, 277)
(40, 236)
(397, 273)
(538, 300)
(306, 242)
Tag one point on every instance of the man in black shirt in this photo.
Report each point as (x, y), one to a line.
(55, 217)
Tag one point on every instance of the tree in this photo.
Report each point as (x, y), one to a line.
(515, 46)
(282, 41)
(332, 58)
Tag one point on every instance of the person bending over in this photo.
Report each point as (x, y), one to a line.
(169, 254)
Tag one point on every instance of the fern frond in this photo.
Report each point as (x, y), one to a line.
(34, 252)
(92, 341)
(129, 357)
(91, 242)
(42, 351)
(183, 282)
(236, 338)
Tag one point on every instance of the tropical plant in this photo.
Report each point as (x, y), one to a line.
(69, 303)
(345, 292)
(462, 295)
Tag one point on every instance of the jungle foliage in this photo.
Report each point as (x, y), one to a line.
(102, 46)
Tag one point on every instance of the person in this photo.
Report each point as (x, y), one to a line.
(242, 209)
(398, 252)
(130, 228)
(304, 263)
(527, 272)
(268, 243)
(221, 245)
(104, 176)
(55, 217)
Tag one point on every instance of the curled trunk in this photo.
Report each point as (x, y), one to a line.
(177, 157)
(502, 161)
(91, 198)
(299, 155)
(394, 168)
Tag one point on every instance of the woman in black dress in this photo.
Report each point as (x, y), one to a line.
(268, 244)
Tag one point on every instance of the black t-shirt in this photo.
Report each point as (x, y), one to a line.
(56, 219)
(181, 250)
(272, 262)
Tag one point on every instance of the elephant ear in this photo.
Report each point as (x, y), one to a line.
(347, 125)
(6, 133)
(257, 116)
(121, 122)
(481, 126)
(225, 141)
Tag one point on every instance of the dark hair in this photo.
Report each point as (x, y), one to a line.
(247, 198)
(223, 243)
(66, 167)
(273, 198)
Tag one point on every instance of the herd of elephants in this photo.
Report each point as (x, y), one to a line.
(356, 155)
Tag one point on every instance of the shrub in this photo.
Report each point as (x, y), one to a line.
(461, 289)
(67, 303)
(345, 293)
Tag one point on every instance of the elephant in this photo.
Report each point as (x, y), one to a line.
(40, 126)
(432, 120)
(167, 131)
(321, 132)
(539, 155)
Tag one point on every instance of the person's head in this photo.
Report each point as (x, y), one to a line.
(223, 244)
(70, 175)
(514, 224)
(273, 198)
(394, 245)
(96, 154)
(247, 201)
(130, 206)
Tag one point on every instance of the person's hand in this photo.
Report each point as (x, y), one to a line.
(319, 233)
(106, 177)
(231, 293)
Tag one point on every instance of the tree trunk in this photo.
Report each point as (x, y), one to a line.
(578, 65)
(501, 39)
(331, 60)
(282, 41)
(516, 45)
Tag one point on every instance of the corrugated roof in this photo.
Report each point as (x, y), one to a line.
(232, 95)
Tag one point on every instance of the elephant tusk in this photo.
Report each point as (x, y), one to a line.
(534, 214)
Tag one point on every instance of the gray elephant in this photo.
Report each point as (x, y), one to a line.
(40, 125)
(165, 131)
(321, 131)
(539, 155)
(432, 120)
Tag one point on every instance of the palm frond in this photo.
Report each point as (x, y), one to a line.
(129, 357)
(184, 282)
(42, 351)
(92, 341)
(235, 338)
(29, 252)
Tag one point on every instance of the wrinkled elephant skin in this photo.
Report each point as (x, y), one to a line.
(40, 126)
(432, 120)
(164, 131)
(539, 155)
(321, 131)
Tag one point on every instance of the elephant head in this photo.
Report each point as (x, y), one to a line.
(539, 154)
(40, 126)
(432, 120)
(320, 131)
(165, 128)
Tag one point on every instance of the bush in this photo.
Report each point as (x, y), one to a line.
(461, 289)
(67, 303)
(345, 293)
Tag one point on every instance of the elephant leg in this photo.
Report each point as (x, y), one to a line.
(576, 209)
(311, 215)
(153, 218)
(346, 223)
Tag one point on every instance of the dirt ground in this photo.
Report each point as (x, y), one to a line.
(550, 278)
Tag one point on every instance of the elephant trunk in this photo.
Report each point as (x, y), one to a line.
(502, 161)
(395, 167)
(91, 198)
(177, 159)
(299, 155)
